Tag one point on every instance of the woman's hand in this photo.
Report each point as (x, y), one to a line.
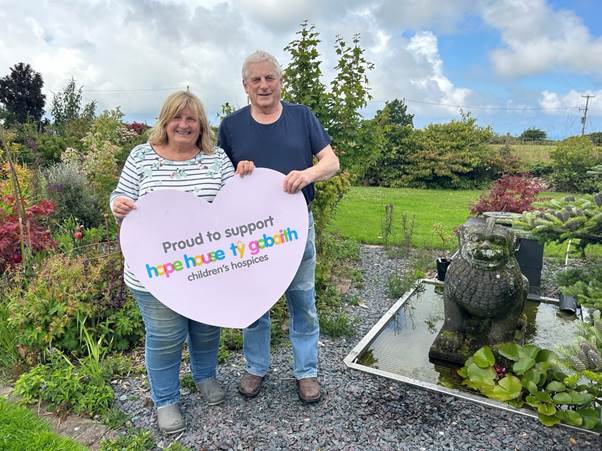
(122, 206)
(244, 167)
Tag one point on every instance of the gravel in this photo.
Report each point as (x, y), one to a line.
(358, 410)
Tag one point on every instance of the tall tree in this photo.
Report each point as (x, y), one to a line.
(67, 105)
(21, 94)
(533, 134)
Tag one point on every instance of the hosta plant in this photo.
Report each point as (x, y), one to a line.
(528, 376)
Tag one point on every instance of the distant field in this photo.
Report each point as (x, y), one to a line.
(530, 153)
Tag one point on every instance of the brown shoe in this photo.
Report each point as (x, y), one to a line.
(309, 389)
(250, 385)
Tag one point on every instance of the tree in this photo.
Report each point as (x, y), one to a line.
(571, 161)
(533, 134)
(21, 94)
(67, 105)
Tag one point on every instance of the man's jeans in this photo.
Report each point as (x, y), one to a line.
(165, 334)
(304, 328)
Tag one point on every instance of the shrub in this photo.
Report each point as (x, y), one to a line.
(65, 291)
(571, 160)
(511, 193)
(69, 189)
(35, 238)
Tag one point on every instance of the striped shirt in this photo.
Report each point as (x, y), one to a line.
(145, 171)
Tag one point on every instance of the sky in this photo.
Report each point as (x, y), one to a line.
(513, 64)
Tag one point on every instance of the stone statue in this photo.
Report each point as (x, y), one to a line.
(484, 292)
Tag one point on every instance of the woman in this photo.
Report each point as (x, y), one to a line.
(179, 155)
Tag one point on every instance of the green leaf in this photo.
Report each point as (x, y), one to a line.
(463, 372)
(528, 351)
(475, 373)
(570, 417)
(556, 386)
(484, 357)
(531, 386)
(545, 355)
(548, 420)
(509, 350)
(562, 398)
(543, 397)
(532, 401)
(580, 398)
(546, 409)
(591, 417)
(524, 364)
(508, 388)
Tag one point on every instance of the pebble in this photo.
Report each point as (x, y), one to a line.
(358, 410)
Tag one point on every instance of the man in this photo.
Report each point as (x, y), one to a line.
(285, 137)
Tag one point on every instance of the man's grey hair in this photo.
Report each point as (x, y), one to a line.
(257, 57)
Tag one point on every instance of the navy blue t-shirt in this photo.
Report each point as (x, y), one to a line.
(285, 145)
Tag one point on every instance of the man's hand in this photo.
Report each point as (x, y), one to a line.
(245, 167)
(295, 181)
(121, 206)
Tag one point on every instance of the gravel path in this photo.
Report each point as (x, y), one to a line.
(358, 410)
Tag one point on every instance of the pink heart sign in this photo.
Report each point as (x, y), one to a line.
(225, 263)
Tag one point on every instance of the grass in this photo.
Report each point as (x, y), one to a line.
(530, 153)
(359, 214)
(22, 430)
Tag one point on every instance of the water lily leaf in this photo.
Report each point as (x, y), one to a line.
(534, 375)
(579, 398)
(530, 386)
(570, 417)
(556, 386)
(545, 355)
(508, 388)
(548, 420)
(529, 351)
(591, 417)
(546, 409)
(484, 357)
(543, 397)
(524, 364)
(562, 398)
(509, 350)
(532, 401)
(475, 373)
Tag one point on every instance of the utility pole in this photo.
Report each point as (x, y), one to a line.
(584, 118)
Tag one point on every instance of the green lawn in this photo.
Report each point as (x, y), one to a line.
(22, 430)
(361, 211)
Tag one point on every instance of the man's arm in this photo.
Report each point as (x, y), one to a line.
(326, 167)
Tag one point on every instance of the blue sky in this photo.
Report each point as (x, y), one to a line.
(513, 64)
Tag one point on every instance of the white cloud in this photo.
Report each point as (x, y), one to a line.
(554, 103)
(538, 38)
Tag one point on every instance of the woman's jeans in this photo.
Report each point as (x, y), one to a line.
(304, 327)
(166, 332)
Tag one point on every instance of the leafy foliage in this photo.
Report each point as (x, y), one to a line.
(48, 308)
(15, 237)
(531, 376)
(452, 155)
(69, 189)
(571, 160)
(568, 218)
(511, 193)
(67, 105)
(21, 94)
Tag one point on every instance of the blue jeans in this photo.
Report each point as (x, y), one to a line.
(166, 332)
(304, 327)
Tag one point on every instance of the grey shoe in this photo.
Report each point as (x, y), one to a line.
(212, 391)
(170, 419)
